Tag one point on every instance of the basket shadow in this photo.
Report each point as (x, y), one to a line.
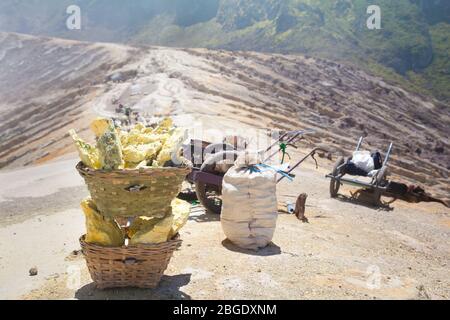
(168, 289)
(271, 250)
(206, 217)
(381, 207)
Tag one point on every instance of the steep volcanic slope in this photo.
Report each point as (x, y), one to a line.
(45, 85)
(239, 89)
(291, 92)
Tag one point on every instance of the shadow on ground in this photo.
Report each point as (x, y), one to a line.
(168, 289)
(199, 214)
(359, 202)
(206, 217)
(271, 250)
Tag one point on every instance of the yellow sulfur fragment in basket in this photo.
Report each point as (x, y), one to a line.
(150, 230)
(164, 126)
(89, 155)
(101, 230)
(100, 125)
(137, 137)
(171, 148)
(180, 210)
(139, 153)
(110, 150)
(147, 230)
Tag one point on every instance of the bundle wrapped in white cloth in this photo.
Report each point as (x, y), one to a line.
(363, 160)
(249, 203)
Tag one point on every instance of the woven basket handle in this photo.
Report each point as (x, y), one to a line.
(135, 188)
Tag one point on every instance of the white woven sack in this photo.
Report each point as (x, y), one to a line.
(249, 206)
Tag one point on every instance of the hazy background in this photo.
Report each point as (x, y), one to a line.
(411, 49)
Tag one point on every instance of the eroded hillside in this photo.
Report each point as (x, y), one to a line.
(46, 86)
(247, 89)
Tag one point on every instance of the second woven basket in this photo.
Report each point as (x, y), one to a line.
(138, 266)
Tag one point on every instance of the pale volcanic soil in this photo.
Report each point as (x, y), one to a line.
(347, 250)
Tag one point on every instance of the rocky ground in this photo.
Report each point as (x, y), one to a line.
(347, 250)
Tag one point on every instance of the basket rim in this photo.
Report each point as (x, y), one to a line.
(176, 239)
(82, 168)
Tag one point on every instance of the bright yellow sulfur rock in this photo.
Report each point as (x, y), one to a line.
(101, 230)
(139, 223)
(139, 127)
(139, 153)
(164, 126)
(151, 231)
(136, 138)
(141, 165)
(140, 147)
(180, 210)
(110, 150)
(100, 126)
(156, 230)
(171, 148)
(89, 155)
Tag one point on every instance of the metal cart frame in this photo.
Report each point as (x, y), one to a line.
(207, 180)
(377, 186)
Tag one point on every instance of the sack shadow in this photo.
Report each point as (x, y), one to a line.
(271, 250)
(168, 289)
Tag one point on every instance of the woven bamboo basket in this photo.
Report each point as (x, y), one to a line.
(138, 266)
(131, 193)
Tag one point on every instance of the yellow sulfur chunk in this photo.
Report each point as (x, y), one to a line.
(135, 138)
(89, 155)
(150, 232)
(164, 126)
(142, 165)
(138, 153)
(110, 150)
(100, 125)
(139, 223)
(156, 230)
(148, 130)
(139, 127)
(172, 146)
(180, 210)
(101, 230)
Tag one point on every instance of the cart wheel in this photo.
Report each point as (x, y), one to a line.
(208, 194)
(380, 179)
(335, 184)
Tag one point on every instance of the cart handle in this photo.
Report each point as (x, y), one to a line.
(388, 154)
(295, 134)
(359, 143)
(311, 154)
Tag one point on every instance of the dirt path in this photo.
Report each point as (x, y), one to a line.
(346, 251)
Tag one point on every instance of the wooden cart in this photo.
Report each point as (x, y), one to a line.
(207, 177)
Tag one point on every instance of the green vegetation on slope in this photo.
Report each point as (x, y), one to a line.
(412, 48)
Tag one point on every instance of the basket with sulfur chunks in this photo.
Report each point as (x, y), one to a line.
(133, 173)
(131, 255)
(105, 231)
